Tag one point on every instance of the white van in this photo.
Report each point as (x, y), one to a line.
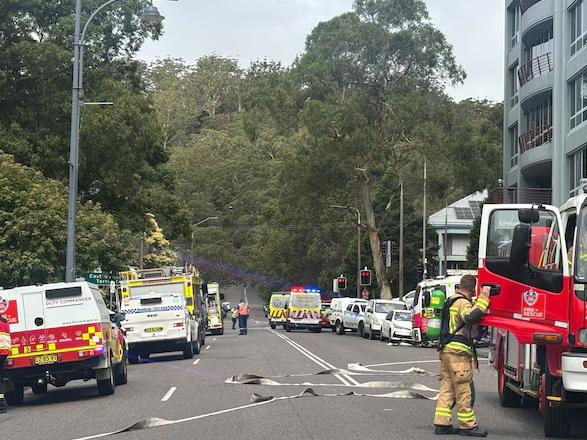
(61, 332)
(337, 308)
(159, 323)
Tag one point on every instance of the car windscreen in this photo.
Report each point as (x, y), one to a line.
(384, 307)
(306, 301)
(402, 316)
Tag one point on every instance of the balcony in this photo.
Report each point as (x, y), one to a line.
(535, 68)
(522, 195)
(527, 4)
(534, 138)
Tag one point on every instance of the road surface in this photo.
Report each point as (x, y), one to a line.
(172, 389)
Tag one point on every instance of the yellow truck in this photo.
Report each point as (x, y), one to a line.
(214, 308)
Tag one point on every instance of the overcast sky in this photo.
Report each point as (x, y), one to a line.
(276, 29)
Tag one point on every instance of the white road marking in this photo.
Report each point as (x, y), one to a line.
(167, 396)
(411, 362)
(197, 361)
(207, 347)
(347, 380)
(213, 339)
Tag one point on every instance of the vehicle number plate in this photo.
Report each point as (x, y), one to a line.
(429, 312)
(45, 359)
(153, 329)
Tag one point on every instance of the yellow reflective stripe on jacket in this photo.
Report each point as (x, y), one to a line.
(482, 303)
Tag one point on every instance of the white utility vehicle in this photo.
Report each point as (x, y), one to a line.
(159, 323)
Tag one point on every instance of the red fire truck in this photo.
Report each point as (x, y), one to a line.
(536, 258)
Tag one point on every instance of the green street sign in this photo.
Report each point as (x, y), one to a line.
(101, 279)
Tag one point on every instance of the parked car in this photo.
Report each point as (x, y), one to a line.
(397, 326)
(337, 308)
(375, 313)
(353, 317)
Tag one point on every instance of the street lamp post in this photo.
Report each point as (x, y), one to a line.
(198, 224)
(358, 211)
(150, 15)
(445, 241)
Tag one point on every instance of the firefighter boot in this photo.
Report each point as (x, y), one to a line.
(444, 429)
(474, 432)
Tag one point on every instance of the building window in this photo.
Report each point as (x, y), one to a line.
(513, 146)
(577, 170)
(541, 45)
(578, 100)
(514, 85)
(578, 24)
(514, 24)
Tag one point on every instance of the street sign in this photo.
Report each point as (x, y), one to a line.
(101, 279)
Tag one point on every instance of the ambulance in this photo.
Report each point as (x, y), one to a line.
(62, 332)
(214, 307)
(278, 309)
(158, 323)
(304, 309)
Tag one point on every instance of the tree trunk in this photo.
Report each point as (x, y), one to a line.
(378, 263)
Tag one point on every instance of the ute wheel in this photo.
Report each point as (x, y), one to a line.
(197, 346)
(121, 372)
(371, 334)
(16, 396)
(361, 330)
(39, 388)
(507, 397)
(107, 386)
(188, 351)
(339, 328)
(272, 325)
(555, 419)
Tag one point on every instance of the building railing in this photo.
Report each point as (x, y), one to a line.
(535, 67)
(535, 137)
(527, 4)
(539, 196)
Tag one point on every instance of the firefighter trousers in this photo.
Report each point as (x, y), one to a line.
(456, 389)
(3, 405)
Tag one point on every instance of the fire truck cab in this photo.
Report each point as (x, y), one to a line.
(535, 257)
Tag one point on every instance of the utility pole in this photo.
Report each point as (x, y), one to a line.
(424, 223)
(445, 241)
(358, 253)
(401, 240)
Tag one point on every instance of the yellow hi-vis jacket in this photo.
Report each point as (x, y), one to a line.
(463, 311)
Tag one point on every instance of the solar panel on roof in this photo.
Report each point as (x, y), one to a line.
(464, 213)
(475, 207)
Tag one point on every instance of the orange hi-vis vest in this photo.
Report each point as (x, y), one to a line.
(243, 309)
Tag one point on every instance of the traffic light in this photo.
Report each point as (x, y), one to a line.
(365, 277)
(341, 282)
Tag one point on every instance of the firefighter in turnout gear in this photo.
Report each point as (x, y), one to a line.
(5, 344)
(458, 359)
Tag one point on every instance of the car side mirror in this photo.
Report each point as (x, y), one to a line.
(426, 299)
(520, 250)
